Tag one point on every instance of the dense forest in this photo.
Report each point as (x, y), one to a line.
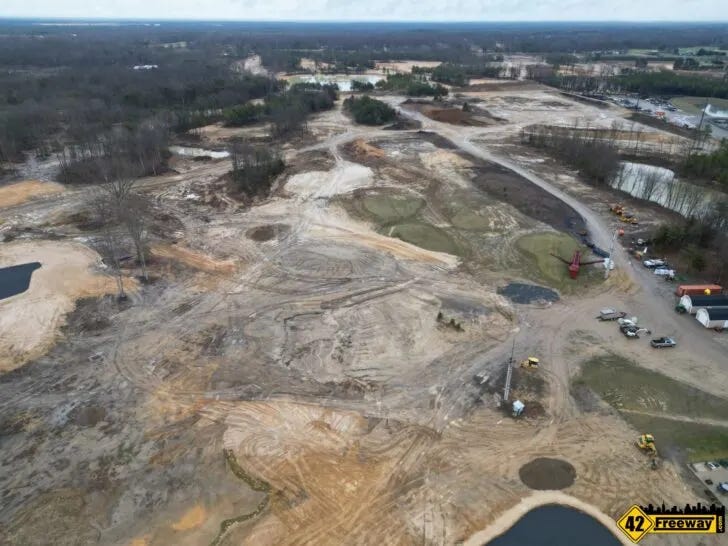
(67, 86)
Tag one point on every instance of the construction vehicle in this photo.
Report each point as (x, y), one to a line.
(576, 263)
(633, 332)
(531, 362)
(617, 209)
(646, 442)
(628, 219)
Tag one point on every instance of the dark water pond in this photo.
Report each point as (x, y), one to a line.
(16, 279)
(527, 293)
(556, 525)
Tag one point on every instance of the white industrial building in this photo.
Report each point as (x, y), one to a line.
(692, 304)
(713, 318)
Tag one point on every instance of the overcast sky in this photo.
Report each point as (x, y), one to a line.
(419, 10)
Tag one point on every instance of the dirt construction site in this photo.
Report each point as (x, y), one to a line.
(327, 365)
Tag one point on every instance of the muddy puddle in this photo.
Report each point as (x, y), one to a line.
(268, 232)
(15, 279)
(528, 293)
(556, 524)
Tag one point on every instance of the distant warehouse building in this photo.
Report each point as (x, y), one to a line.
(713, 318)
(692, 304)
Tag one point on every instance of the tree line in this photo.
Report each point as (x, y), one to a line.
(369, 111)
(412, 85)
(287, 111)
(596, 159)
(664, 83)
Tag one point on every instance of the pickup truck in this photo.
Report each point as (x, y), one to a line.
(663, 342)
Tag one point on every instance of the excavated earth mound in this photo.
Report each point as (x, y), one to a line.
(544, 473)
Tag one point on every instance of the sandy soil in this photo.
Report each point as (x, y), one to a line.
(541, 498)
(344, 178)
(404, 67)
(317, 360)
(252, 64)
(29, 322)
(217, 134)
(312, 65)
(189, 257)
(20, 192)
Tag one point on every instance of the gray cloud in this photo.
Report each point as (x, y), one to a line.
(421, 10)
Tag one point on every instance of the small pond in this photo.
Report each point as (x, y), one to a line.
(188, 151)
(528, 293)
(16, 279)
(556, 525)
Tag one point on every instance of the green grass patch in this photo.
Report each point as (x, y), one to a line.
(541, 266)
(698, 442)
(695, 105)
(386, 208)
(624, 385)
(425, 236)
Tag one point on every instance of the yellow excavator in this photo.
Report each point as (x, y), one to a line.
(531, 362)
(646, 442)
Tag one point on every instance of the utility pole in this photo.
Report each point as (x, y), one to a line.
(509, 373)
(610, 260)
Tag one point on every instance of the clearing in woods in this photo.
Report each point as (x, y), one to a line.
(321, 365)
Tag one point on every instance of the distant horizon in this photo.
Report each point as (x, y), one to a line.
(361, 21)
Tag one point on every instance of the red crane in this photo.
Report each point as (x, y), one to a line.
(576, 263)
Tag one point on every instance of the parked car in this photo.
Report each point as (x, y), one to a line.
(722, 487)
(712, 466)
(662, 343)
(653, 263)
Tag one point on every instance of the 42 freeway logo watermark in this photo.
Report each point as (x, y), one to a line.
(638, 521)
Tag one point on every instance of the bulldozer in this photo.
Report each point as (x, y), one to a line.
(628, 218)
(531, 363)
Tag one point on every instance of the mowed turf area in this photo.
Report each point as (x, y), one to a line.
(695, 105)
(648, 399)
(539, 249)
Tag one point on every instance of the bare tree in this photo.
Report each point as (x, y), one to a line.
(107, 213)
(128, 207)
(134, 216)
(649, 184)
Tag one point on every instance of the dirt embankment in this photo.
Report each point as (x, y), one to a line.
(20, 192)
(531, 200)
(454, 114)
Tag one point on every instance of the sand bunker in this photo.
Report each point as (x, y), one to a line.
(344, 178)
(29, 321)
(20, 192)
